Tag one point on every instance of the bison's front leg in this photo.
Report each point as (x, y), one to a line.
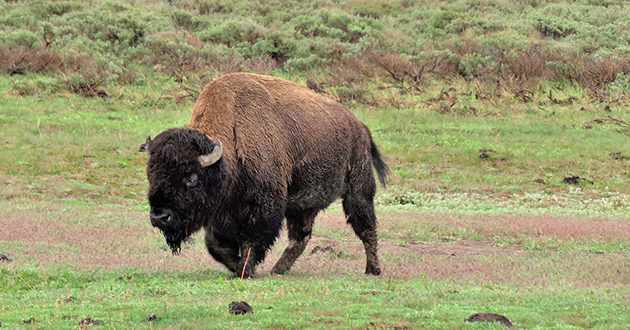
(222, 249)
(246, 265)
(255, 240)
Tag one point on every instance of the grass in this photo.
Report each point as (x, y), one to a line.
(200, 299)
(428, 152)
(460, 234)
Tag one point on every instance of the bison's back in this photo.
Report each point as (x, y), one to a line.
(276, 130)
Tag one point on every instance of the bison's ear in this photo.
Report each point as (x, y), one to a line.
(213, 157)
(145, 146)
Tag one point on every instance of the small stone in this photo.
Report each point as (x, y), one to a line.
(90, 321)
(152, 318)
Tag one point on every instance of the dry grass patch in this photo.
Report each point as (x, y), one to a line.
(114, 238)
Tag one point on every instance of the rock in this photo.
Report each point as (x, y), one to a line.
(152, 318)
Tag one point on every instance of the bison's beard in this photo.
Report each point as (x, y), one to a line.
(174, 241)
(178, 230)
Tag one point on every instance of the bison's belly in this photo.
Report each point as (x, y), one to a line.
(314, 193)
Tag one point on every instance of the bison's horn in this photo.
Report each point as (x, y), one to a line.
(213, 157)
(145, 146)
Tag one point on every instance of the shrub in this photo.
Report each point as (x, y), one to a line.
(475, 65)
(621, 84)
(22, 60)
(276, 45)
(117, 29)
(20, 38)
(172, 55)
(234, 31)
(187, 21)
(87, 82)
(596, 74)
(555, 27)
(313, 26)
(209, 7)
(529, 64)
(442, 19)
(405, 74)
(57, 8)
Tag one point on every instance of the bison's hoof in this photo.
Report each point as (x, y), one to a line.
(274, 274)
(278, 271)
(373, 270)
(244, 274)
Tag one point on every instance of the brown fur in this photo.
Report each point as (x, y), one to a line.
(299, 125)
(287, 153)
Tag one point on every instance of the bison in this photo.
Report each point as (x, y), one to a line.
(257, 150)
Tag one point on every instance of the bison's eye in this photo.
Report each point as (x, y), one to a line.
(192, 180)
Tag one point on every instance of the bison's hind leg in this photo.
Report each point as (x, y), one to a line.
(358, 205)
(300, 226)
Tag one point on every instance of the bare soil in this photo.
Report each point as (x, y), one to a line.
(124, 239)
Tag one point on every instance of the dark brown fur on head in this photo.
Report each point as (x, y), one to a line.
(173, 161)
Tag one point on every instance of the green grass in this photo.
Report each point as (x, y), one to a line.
(200, 300)
(428, 152)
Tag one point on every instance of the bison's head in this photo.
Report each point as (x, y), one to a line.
(185, 172)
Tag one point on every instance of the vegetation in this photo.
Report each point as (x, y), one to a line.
(351, 47)
(506, 125)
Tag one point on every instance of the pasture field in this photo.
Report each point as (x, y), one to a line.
(459, 234)
(506, 125)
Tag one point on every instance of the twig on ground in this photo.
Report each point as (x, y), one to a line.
(244, 267)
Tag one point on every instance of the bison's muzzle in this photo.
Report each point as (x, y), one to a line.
(163, 219)
(168, 222)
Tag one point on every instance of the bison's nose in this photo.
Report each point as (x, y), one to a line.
(160, 217)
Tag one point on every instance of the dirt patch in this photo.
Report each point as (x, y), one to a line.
(327, 249)
(240, 307)
(114, 240)
(576, 180)
(382, 325)
(489, 317)
(370, 293)
(461, 248)
(619, 156)
(117, 240)
(461, 259)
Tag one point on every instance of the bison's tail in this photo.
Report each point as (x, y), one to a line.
(381, 168)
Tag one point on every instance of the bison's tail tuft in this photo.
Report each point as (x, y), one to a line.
(381, 168)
